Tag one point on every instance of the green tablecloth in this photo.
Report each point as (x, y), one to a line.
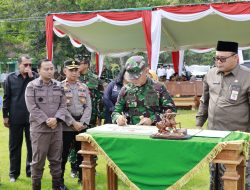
(156, 164)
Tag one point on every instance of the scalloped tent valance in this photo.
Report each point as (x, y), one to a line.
(152, 29)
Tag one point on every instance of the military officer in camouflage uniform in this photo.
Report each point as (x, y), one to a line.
(79, 108)
(106, 75)
(46, 103)
(142, 100)
(96, 89)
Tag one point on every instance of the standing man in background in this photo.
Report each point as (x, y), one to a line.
(111, 93)
(16, 115)
(161, 73)
(96, 89)
(169, 72)
(79, 109)
(225, 101)
(46, 103)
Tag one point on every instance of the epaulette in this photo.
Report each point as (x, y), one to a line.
(56, 83)
(36, 82)
(82, 85)
(64, 84)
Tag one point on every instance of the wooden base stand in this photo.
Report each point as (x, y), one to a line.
(234, 162)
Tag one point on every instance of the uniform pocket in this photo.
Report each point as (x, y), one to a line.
(233, 93)
(30, 92)
(40, 97)
(82, 94)
(151, 99)
(57, 96)
(131, 100)
(82, 97)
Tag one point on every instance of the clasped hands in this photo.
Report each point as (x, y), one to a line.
(78, 126)
(121, 120)
(52, 123)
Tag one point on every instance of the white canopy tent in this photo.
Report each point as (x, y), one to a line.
(154, 29)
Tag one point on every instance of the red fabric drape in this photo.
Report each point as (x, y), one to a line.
(97, 63)
(175, 59)
(61, 32)
(120, 16)
(235, 8)
(147, 33)
(185, 9)
(49, 36)
(239, 8)
(227, 8)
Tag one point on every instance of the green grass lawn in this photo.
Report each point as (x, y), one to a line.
(187, 118)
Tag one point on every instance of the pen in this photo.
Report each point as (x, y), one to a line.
(125, 118)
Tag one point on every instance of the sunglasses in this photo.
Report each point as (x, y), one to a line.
(222, 59)
(27, 65)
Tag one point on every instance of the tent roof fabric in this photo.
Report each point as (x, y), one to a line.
(170, 28)
(201, 33)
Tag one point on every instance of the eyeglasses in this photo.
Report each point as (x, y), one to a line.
(222, 59)
(27, 65)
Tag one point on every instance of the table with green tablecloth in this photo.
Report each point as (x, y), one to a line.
(157, 164)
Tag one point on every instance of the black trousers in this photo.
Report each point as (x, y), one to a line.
(68, 140)
(15, 149)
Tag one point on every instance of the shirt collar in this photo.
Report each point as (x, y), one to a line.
(236, 70)
(67, 82)
(233, 72)
(41, 81)
(17, 73)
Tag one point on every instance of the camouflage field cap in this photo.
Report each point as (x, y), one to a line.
(134, 67)
(71, 64)
(83, 58)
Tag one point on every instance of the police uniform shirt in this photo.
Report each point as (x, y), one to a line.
(78, 103)
(226, 100)
(45, 101)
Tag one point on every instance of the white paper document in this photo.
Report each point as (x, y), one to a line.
(128, 129)
(208, 133)
(193, 132)
(149, 130)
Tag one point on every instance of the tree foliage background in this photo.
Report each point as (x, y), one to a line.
(22, 26)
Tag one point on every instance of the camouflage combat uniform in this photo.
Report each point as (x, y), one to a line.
(96, 91)
(149, 100)
(106, 76)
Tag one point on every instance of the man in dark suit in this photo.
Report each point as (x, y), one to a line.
(16, 115)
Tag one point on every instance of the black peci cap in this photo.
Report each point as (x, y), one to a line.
(227, 46)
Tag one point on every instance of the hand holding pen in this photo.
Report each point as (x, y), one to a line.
(121, 120)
